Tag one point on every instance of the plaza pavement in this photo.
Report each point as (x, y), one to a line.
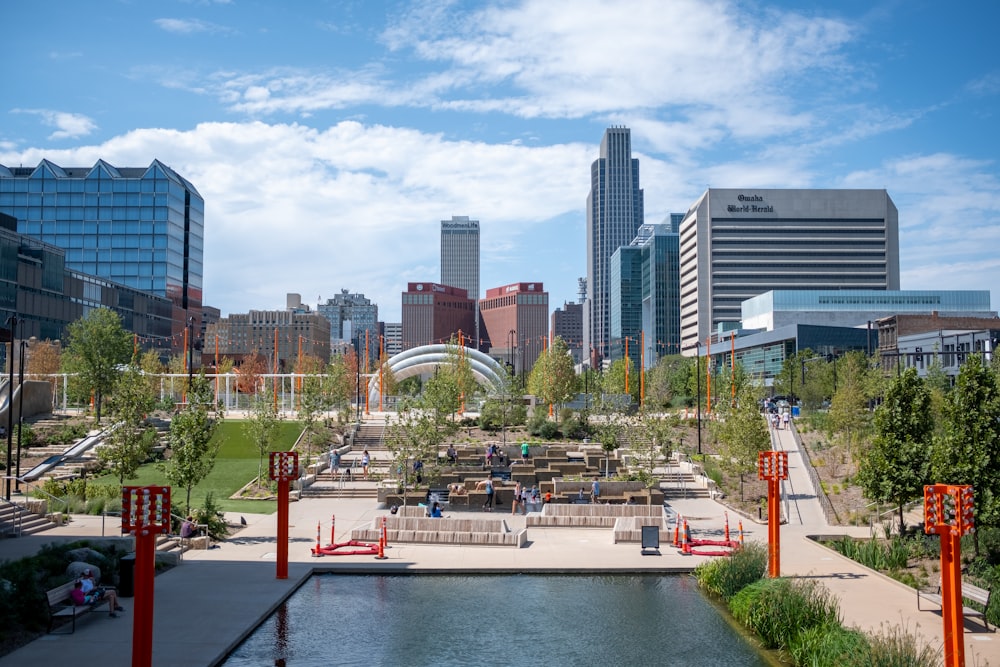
(205, 606)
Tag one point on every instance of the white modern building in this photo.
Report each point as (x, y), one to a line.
(738, 243)
(851, 308)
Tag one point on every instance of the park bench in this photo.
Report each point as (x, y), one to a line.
(61, 605)
(969, 592)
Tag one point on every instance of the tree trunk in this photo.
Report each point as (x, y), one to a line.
(902, 521)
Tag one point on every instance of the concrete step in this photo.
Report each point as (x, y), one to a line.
(334, 492)
(30, 522)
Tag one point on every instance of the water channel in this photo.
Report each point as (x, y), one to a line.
(515, 620)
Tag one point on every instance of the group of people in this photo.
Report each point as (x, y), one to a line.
(523, 497)
(335, 462)
(777, 420)
(86, 591)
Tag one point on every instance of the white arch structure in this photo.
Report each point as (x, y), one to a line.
(424, 359)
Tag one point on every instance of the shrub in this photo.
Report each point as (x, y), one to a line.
(778, 610)
(896, 647)
(828, 645)
(728, 576)
(211, 516)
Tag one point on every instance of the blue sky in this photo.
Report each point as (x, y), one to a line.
(330, 138)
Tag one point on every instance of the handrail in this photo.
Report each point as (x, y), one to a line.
(38, 489)
(19, 513)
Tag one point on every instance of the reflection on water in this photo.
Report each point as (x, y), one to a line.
(496, 620)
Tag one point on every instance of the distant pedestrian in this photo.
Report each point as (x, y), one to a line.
(517, 498)
(488, 505)
(366, 459)
(334, 461)
(418, 471)
(595, 491)
(489, 456)
(524, 452)
(785, 418)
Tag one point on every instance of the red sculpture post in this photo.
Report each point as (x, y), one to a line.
(145, 514)
(773, 466)
(948, 511)
(284, 467)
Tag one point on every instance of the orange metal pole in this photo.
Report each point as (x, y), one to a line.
(773, 528)
(274, 382)
(282, 566)
(951, 600)
(367, 354)
(642, 367)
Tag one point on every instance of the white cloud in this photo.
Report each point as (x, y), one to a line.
(190, 26)
(68, 125)
(295, 209)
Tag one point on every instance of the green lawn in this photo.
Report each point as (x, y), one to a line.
(235, 466)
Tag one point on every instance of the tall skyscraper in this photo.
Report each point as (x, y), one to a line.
(142, 227)
(614, 213)
(738, 243)
(460, 259)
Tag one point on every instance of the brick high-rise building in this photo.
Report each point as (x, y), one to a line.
(516, 321)
(434, 313)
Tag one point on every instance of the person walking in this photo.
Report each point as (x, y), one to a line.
(595, 491)
(517, 498)
(488, 505)
(366, 459)
(524, 452)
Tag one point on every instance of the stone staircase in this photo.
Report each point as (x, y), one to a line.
(677, 485)
(17, 521)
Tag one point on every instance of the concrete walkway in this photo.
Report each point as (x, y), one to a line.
(208, 604)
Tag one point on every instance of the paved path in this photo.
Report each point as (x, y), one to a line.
(208, 604)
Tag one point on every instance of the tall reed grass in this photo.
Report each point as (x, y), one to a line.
(728, 576)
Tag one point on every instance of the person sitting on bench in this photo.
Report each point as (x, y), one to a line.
(83, 594)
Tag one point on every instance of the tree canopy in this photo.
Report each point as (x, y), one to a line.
(97, 348)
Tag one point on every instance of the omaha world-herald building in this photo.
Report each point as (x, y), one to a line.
(738, 243)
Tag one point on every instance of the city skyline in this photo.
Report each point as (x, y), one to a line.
(329, 143)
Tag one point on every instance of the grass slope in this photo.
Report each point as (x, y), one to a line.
(235, 466)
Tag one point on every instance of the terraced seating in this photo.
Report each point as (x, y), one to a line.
(554, 515)
(403, 529)
(629, 528)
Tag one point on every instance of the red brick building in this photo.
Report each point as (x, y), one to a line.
(515, 324)
(433, 313)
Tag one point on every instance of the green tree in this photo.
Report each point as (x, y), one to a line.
(741, 432)
(193, 452)
(553, 379)
(849, 419)
(609, 434)
(129, 441)
(614, 378)
(897, 465)
(441, 395)
(97, 347)
(651, 442)
(667, 380)
(413, 436)
(260, 428)
(969, 453)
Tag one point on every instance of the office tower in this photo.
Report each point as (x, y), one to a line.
(46, 296)
(435, 313)
(142, 227)
(567, 323)
(393, 332)
(516, 323)
(645, 295)
(614, 213)
(460, 260)
(738, 243)
(352, 317)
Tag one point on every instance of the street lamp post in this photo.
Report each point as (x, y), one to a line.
(12, 323)
(20, 415)
(190, 351)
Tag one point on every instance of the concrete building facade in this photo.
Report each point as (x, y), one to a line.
(567, 323)
(434, 313)
(516, 321)
(738, 243)
(353, 321)
(460, 259)
(269, 331)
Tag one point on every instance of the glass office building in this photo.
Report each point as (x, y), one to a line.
(142, 227)
(645, 296)
(615, 210)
